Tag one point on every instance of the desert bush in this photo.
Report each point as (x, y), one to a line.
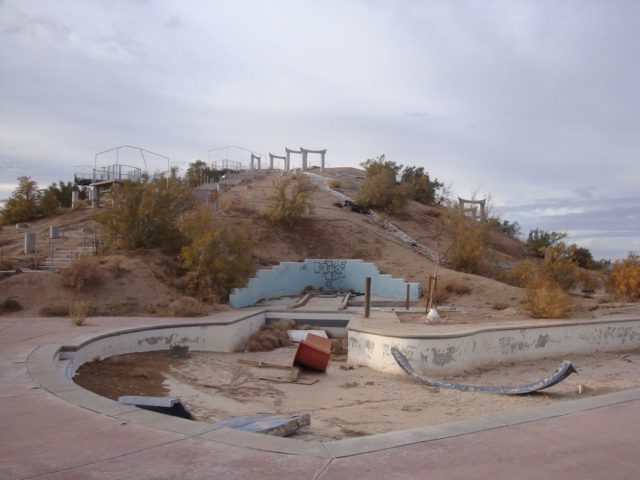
(28, 202)
(78, 310)
(291, 200)
(219, 259)
(56, 310)
(146, 214)
(271, 336)
(558, 267)
(381, 189)
(418, 186)
(63, 191)
(335, 183)
(457, 287)
(624, 279)
(186, 307)
(469, 248)
(539, 240)
(588, 280)
(546, 300)
(82, 273)
(523, 273)
(10, 305)
(199, 172)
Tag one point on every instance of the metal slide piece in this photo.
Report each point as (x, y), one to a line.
(559, 375)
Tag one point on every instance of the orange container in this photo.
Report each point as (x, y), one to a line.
(313, 352)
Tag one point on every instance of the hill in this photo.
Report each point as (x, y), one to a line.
(144, 283)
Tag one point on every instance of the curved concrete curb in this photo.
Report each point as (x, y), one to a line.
(42, 369)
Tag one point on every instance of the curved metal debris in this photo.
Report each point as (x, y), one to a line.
(559, 375)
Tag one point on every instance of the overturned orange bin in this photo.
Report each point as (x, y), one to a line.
(313, 352)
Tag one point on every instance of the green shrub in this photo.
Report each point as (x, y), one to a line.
(28, 203)
(539, 240)
(291, 200)
(418, 186)
(624, 278)
(381, 189)
(146, 214)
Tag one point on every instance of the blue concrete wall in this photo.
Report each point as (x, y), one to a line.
(291, 278)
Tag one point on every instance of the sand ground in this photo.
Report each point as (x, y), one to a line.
(345, 401)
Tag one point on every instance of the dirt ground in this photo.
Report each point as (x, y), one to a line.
(345, 401)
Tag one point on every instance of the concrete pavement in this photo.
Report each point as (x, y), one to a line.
(62, 435)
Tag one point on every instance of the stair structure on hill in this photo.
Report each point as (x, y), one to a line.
(330, 275)
(66, 246)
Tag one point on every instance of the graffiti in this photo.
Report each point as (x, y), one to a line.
(331, 271)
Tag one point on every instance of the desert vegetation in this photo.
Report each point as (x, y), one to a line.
(146, 214)
(291, 200)
(218, 258)
(388, 186)
(28, 202)
(624, 278)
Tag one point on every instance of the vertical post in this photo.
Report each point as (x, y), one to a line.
(408, 293)
(367, 297)
(75, 196)
(429, 294)
(435, 291)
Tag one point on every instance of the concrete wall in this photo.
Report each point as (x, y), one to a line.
(438, 355)
(208, 337)
(291, 278)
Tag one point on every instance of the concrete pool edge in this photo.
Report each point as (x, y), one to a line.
(44, 372)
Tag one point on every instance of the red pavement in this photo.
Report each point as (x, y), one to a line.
(43, 436)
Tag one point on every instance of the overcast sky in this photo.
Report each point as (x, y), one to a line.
(536, 103)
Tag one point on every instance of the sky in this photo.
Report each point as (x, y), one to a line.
(533, 103)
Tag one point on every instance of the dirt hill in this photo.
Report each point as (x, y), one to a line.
(139, 286)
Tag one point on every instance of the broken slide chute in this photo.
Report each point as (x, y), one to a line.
(556, 377)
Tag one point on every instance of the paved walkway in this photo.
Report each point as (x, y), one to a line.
(45, 436)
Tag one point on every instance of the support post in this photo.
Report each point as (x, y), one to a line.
(367, 297)
(408, 294)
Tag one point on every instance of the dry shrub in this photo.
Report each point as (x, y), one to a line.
(469, 249)
(458, 287)
(335, 183)
(547, 300)
(10, 305)
(82, 273)
(523, 273)
(56, 310)
(271, 336)
(186, 307)
(624, 279)
(78, 312)
(291, 200)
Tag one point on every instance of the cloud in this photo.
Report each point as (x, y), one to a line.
(520, 100)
